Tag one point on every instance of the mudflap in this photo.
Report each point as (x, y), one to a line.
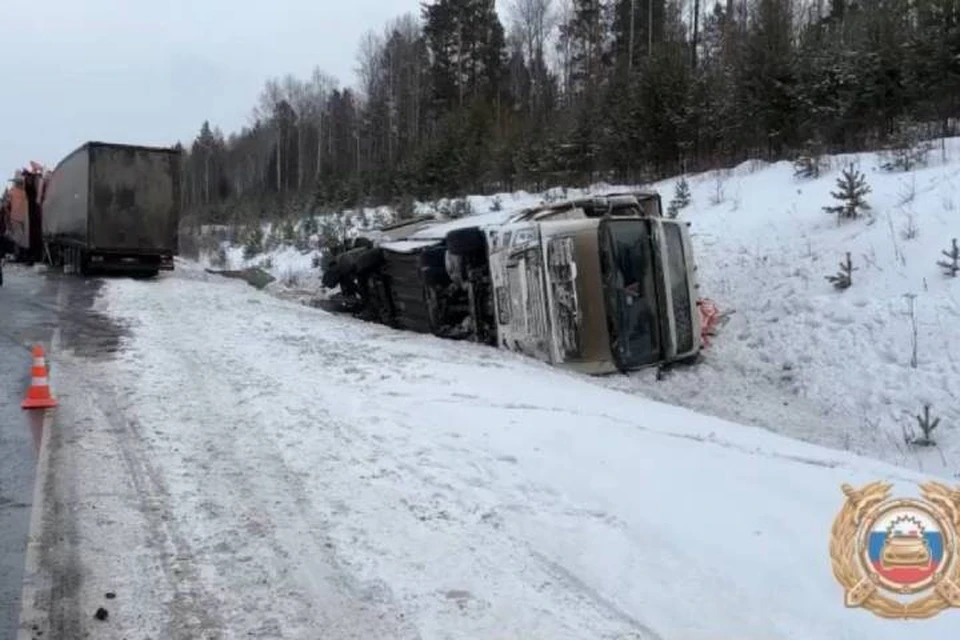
(711, 319)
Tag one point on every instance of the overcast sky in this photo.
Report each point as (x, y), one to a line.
(150, 71)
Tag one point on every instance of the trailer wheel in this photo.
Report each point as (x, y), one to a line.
(433, 271)
(66, 259)
(79, 260)
(467, 242)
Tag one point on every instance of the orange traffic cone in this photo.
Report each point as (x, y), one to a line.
(38, 395)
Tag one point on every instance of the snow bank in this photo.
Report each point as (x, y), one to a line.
(324, 476)
(805, 359)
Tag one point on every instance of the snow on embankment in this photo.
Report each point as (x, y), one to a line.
(799, 357)
(290, 251)
(466, 492)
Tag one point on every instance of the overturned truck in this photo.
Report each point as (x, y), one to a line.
(596, 285)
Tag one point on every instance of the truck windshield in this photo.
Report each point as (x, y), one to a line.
(630, 294)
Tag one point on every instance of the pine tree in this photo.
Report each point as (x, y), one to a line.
(637, 26)
(852, 189)
(468, 48)
(811, 161)
(441, 109)
(681, 198)
(288, 232)
(253, 242)
(927, 426)
(952, 267)
(583, 39)
(906, 149)
(844, 278)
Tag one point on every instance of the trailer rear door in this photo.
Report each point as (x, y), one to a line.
(135, 199)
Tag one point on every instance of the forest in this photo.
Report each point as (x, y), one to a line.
(454, 98)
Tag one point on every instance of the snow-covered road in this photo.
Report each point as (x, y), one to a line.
(249, 467)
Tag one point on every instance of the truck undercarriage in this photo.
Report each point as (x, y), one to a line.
(441, 288)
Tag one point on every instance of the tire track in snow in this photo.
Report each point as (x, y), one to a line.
(380, 491)
(193, 612)
(449, 510)
(314, 590)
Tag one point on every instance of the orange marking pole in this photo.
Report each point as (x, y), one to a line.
(38, 395)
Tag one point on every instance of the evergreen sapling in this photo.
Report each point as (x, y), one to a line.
(844, 277)
(253, 244)
(405, 208)
(681, 198)
(810, 162)
(288, 232)
(852, 189)
(952, 266)
(907, 150)
(927, 427)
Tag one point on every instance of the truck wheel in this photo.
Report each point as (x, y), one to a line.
(433, 270)
(456, 267)
(80, 262)
(467, 242)
(67, 260)
(331, 276)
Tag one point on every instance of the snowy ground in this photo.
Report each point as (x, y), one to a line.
(249, 467)
(804, 359)
(799, 357)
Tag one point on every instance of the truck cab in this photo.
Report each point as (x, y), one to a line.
(597, 285)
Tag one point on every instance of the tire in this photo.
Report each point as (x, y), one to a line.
(331, 276)
(433, 277)
(433, 270)
(69, 262)
(467, 242)
(83, 269)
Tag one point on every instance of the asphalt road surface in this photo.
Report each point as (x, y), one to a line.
(34, 304)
